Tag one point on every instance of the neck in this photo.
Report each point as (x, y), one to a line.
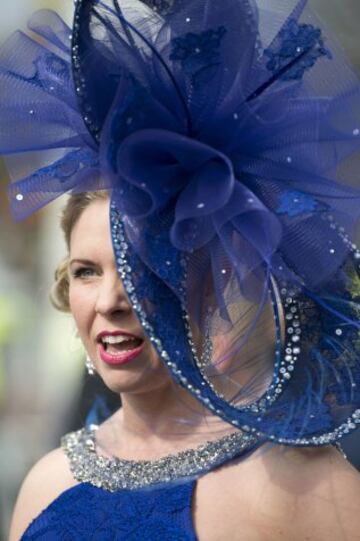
(167, 413)
(160, 422)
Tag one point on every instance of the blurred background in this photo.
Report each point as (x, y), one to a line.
(42, 376)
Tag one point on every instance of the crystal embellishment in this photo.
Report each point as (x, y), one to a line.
(115, 474)
(121, 252)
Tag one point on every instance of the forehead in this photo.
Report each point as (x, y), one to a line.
(92, 229)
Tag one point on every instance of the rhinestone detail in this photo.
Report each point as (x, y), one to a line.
(115, 473)
(79, 80)
(120, 248)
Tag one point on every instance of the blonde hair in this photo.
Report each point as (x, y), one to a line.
(75, 206)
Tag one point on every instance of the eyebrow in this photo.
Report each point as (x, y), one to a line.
(82, 261)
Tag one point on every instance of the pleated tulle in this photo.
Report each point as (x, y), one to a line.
(227, 134)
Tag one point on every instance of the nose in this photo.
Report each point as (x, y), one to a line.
(111, 298)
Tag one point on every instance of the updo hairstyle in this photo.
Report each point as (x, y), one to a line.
(76, 204)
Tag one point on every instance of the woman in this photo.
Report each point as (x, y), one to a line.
(277, 494)
(223, 134)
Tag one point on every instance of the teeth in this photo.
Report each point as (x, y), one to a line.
(117, 339)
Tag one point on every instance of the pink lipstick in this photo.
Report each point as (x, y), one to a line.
(106, 339)
(122, 357)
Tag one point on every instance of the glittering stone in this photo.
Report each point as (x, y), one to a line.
(283, 368)
(114, 473)
(338, 332)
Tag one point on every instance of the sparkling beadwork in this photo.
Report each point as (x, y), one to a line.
(80, 82)
(338, 332)
(290, 307)
(114, 473)
(19, 197)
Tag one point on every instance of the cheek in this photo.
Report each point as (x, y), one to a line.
(154, 357)
(82, 309)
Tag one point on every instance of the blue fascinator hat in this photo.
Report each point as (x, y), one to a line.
(226, 134)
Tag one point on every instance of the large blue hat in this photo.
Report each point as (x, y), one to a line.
(226, 133)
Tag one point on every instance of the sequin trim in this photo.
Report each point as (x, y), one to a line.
(115, 474)
(121, 248)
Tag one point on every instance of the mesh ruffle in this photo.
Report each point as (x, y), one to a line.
(227, 134)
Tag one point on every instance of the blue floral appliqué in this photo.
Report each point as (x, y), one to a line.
(56, 65)
(65, 168)
(52, 72)
(294, 203)
(296, 49)
(198, 52)
(161, 6)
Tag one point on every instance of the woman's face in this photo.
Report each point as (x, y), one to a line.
(109, 329)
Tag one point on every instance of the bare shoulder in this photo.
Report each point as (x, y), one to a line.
(313, 493)
(43, 484)
(323, 489)
(280, 494)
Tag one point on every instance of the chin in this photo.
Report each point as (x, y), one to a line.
(137, 380)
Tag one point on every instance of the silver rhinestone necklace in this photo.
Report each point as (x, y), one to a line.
(115, 473)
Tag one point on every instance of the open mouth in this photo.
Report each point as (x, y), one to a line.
(114, 345)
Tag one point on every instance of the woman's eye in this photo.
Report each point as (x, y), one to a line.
(84, 272)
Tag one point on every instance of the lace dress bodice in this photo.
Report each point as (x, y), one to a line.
(126, 500)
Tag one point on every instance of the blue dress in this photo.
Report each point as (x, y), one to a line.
(85, 512)
(118, 500)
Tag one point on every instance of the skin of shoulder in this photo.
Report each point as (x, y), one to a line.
(47, 479)
(284, 494)
(315, 494)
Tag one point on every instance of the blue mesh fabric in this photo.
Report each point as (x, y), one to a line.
(227, 134)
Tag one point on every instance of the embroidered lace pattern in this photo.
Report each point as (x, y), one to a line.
(296, 50)
(85, 513)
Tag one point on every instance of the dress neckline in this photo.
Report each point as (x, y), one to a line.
(116, 473)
